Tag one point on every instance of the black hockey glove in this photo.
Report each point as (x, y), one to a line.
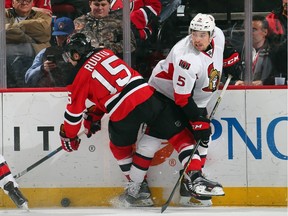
(201, 130)
(232, 63)
(92, 121)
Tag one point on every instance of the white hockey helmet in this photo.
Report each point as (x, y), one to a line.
(202, 22)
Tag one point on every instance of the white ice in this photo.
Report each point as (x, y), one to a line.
(170, 211)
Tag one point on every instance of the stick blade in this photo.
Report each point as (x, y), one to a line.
(164, 207)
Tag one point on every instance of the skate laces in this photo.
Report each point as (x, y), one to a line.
(192, 177)
(188, 182)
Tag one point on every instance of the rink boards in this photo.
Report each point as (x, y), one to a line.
(248, 154)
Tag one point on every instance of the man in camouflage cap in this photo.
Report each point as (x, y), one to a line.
(102, 29)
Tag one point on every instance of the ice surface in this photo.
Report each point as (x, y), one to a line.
(170, 211)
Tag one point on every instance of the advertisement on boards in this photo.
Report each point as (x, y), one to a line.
(248, 149)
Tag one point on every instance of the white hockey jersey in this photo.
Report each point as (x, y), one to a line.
(186, 72)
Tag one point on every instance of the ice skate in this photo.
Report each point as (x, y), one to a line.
(195, 201)
(192, 201)
(136, 195)
(198, 185)
(16, 196)
(145, 190)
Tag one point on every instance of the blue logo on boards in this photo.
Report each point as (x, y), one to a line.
(254, 146)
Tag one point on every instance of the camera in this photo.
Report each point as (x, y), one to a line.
(51, 58)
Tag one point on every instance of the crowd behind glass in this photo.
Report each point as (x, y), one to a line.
(30, 31)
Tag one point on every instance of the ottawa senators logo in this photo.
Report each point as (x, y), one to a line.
(184, 64)
(214, 79)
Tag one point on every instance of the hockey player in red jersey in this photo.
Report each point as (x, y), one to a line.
(10, 186)
(120, 91)
(190, 75)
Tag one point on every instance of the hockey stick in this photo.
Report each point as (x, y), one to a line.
(37, 163)
(164, 207)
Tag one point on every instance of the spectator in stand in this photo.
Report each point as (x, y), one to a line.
(79, 24)
(277, 21)
(261, 62)
(49, 68)
(144, 19)
(27, 32)
(277, 36)
(102, 29)
(39, 5)
(143, 14)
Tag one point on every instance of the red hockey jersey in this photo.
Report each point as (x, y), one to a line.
(142, 13)
(110, 83)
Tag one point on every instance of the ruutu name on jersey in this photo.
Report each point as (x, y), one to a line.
(94, 59)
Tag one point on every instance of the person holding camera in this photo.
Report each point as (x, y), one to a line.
(49, 68)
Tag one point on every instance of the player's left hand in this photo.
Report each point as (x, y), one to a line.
(68, 144)
(232, 63)
(92, 121)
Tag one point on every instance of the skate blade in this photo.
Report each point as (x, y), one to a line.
(145, 195)
(116, 203)
(192, 202)
(143, 203)
(216, 191)
(140, 203)
(122, 203)
(25, 207)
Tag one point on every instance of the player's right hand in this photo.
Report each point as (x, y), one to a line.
(92, 121)
(201, 129)
(68, 144)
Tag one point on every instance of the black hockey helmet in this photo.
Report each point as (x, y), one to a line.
(77, 43)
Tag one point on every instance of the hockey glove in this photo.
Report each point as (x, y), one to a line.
(232, 63)
(201, 130)
(68, 144)
(92, 121)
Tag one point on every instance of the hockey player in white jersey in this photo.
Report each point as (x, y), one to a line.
(10, 186)
(190, 75)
